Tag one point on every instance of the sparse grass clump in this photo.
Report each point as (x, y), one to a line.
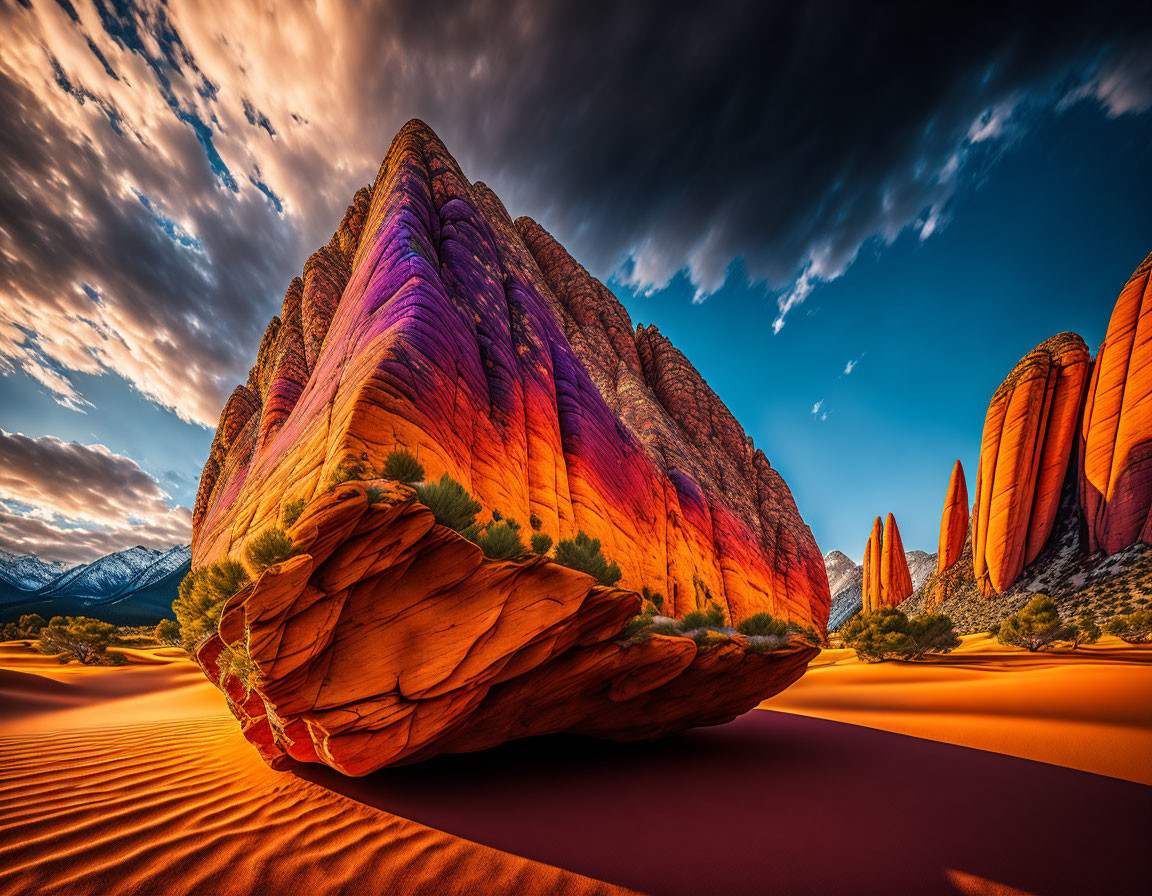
(236, 661)
(270, 547)
(655, 598)
(202, 595)
(583, 553)
(500, 540)
(763, 624)
(450, 503)
(80, 638)
(712, 617)
(541, 543)
(292, 511)
(402, 466)
(351, 469)
(168, 631)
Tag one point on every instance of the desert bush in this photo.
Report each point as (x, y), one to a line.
(706, 638)
(762, 624)
(712, 617)
(932, 633)
(878, 635)
(30, 624)
(1037, 626)
(351, 469)
(236, 661)
(292, 511)
(168, 631)
(655, 598)
(10, 631)
(80, 638)
(583, 553)
(270, 547)
(374, 494)
(201, 598)
(402, 466)
(535, 522)
(541, 543)
(807, 633)
(500, 540)
(449, 502)
(994, 629)
(1086, 631)
(1135, 628)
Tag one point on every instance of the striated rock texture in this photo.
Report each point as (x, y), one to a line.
(1029, 432)
(1116, 433)
(887, 580)
(954, 520)
(431, 321)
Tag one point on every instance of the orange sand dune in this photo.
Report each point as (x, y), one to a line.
(137, 780)
(1089, 709)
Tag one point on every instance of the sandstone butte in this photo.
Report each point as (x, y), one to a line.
(1028, 436)
(887, 580)
(954, 520)
(434, 322)
(1116, 433)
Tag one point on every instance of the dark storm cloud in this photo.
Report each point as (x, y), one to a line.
(179, 160)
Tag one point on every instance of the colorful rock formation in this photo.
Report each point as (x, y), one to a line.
(887, 580)
(954, 520)
(433, 322)
(1116, 433)
(1029, 432)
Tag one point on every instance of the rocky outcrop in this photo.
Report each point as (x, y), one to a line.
(846, 582)
(887, 580)
(433, 322)
(1116, 433)
(1029, 433)
(921, 565)
(954, 520)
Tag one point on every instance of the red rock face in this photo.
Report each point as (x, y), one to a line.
(954, 520)
(433, 322)
(1028, 436)
(1116, 433)
(887, 580)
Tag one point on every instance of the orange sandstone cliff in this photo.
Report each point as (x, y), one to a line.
(887, 580)
(1029, 432)
(434, 322)
(954, 520)
(1116, 432)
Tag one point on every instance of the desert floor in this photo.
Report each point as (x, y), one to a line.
(136, 780)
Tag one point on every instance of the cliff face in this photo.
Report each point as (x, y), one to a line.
(887, 580)
(1116, 433)
(1029, 432)
(954, 520)
(434, 322)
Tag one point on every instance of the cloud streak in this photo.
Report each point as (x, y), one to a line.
(168, 167)
(71, 502)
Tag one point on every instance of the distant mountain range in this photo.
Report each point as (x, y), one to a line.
(131, 587)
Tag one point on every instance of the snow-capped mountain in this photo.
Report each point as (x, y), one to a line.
(920, 565)
(134, 586)
(28, 572)
(846, 582)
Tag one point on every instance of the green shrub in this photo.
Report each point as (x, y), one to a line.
(351, 469)
(10, 631)
(583, 553)
(878, 635)
(932, 633)
(168, 631)
(712, 617)
(374, 494)
(31, 624)
(670, 627)
(1086, 629)
(1135, 628)
(808, 634)
(270, 547)
(541, 543)
(292, 511)
(201, 598)
(402, 466)
(450, 503)
(236, 661)
(80, 638)
(762, 624)
(653, 597)
(500, 540)
(1037, 626)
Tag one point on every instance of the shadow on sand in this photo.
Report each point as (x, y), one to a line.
(778, 803)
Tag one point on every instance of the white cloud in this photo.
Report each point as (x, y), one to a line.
(816, 407)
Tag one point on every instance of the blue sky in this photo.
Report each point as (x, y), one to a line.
(783, 189)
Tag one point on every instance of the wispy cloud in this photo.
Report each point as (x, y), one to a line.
(850, 366)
